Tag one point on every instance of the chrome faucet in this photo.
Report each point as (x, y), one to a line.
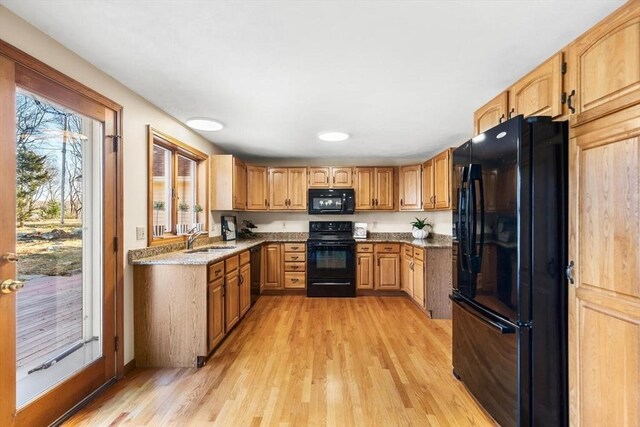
(192, 235)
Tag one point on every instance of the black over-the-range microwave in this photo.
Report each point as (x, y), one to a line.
(334, 202)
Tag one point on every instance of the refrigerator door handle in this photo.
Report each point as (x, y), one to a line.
(463, 233)
(475, 253)
(503, 328)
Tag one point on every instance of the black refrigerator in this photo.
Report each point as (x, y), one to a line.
(510, 294)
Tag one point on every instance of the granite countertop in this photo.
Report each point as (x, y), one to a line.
(177, 255)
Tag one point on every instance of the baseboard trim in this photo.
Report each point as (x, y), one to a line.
(129, 367)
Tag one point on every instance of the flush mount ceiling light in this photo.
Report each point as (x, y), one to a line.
(333, 136)
(203, 123)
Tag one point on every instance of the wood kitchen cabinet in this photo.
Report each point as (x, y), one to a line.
(271, 254)
(374, 188)
(492, 113)
(539, 93)
(288, 188)
(244, 278)
(387, 270)
(604, 66)
(438, 286)
(231, 292)
(410, 188)
(294, 266)
(406, 278)
(257, 188)
(227, 183)
(330, 177)
(364, 266)
(436, 188)
(215, 305)
(418, 276)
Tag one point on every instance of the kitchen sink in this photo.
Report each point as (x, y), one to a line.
(210, 249)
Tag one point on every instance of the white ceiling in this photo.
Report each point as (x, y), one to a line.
(402, 77)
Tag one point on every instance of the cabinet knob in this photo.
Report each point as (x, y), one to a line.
(401, 202)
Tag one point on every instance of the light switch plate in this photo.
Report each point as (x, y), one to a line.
(140, 233)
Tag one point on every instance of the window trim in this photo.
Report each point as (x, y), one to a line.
(176, 147)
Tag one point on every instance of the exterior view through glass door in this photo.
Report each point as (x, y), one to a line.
(60, 269)
(58, 244)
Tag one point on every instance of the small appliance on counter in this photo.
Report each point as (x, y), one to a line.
(360, 230)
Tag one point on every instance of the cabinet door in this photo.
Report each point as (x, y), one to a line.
(384, 188)
(215, 312)
(442, 180)
(245, 288)
(411, 188)
(539, 93)
(428, 190)
(257, 188)
(364, 271)
(388, 272)
(418, 281)
(365, 188)
(604, 65)
(297, 189)
(239, 184)
(604, 301)
(278, 188)
(407, 275)
(319, 177)
(272, 262)
(342, 177)
(231, 300)
(492, 113)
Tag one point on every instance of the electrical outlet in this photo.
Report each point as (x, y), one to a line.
(140, 233)
(284, 225)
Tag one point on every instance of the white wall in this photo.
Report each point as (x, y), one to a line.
(378, 222)
(137, 114)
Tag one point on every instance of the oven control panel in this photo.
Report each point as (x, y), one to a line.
(320, 226)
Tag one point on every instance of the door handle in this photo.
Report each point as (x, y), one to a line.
(10, 257)
(10, 285)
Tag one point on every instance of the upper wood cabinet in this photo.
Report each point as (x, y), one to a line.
(330, 177)
(288, 188)
(604, 65)
(257, 188)
(374, 188)
(227, 183)
(491, 114)
(539, 93)
(436, 188)
(411, 188)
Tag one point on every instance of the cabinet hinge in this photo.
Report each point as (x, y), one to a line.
(563, 98)
(116, 343)
(115, 244)
(563, 69)
(116, 140)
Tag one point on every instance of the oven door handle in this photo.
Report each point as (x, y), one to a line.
(341, 245)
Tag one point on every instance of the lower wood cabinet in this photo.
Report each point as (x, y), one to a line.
(245, 287)
(215, 313)
(364, 266)
(387, 270)
(294, 266)
(231, 293)
(406, 277)
(272, 264)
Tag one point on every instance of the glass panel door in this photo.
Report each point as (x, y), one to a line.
(58, 244)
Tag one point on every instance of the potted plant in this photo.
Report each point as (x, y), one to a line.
(421, 228)
(197, 209)
(158, 230)
(183, 227)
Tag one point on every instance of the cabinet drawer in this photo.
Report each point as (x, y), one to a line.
(294, 247)
(388, 247)
(231, 264)
(216, 271)
(294, 280)
(295, 256)
(295, 266)
(418, 253)
(365, 247)
(245, 257)
(408, 250)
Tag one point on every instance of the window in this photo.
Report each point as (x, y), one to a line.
(176, 197)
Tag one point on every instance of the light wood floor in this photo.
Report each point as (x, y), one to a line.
(295, 361)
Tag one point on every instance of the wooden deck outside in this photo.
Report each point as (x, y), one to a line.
(49, 318)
